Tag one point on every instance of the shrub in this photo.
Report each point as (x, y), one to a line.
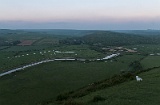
(98, 98)
(71, 102)
(62, 97)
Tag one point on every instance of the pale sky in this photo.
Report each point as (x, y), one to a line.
(80, 14)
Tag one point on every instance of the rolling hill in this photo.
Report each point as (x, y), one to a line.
(114, 39)
(108, 38)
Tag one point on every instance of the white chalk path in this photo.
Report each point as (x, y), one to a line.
(44, 61)
(23, 67)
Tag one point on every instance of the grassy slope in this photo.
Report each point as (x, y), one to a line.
(130, 93)
(44, 82)
(115, 39)
(140, 32)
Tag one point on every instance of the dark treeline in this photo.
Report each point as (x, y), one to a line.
(8, 43)
(72, 41)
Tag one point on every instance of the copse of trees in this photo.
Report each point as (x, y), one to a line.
(136, 65)
(71, 41)
(7, 43)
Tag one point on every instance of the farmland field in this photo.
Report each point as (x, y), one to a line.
(16, 56)
(26, 42)
(150, 62)
(88, 79)
(147, 48)
(51, 79)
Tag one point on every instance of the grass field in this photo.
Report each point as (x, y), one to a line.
(47, 41)
(44, 82)
(24, 48)
(146, 48)
(128, 93)
(16, 56)
(9, 57)
(150, 62)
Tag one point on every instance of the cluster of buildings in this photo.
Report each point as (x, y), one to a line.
(119, 49)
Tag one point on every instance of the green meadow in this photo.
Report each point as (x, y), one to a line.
(150, 62)
(16, 56)
(45, 82)
(128, 93)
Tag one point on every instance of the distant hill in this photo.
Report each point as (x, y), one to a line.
(140, 32)
(4, 32)
(91, 37)
(113, 38)
(66, 32)
(2, 41)
(108, 38)
(45, 32)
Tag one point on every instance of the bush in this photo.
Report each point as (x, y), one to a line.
(71, 102)
(98, 98)
(62, 97)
